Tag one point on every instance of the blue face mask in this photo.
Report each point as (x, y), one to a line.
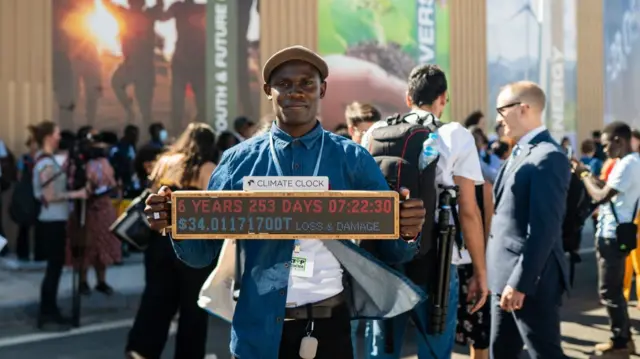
(163, 135)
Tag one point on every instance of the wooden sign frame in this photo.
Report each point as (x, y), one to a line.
(175, 196)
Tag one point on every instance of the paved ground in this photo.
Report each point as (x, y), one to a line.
(21, 290)
(100, 337)
(106, 320)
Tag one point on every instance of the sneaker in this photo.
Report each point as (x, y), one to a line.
(607, 351)
(104, 288)
(134, 355)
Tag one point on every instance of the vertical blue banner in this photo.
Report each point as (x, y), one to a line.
(622, 61)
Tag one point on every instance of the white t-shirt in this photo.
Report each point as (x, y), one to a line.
(624, 179)
(458, 157)
(326, 276)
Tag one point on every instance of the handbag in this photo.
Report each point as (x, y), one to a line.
(626, 233)
(218, 295)
(132, 226)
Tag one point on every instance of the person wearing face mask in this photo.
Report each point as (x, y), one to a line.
(159, 135)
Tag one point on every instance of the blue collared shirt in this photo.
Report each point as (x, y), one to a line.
(257, 323)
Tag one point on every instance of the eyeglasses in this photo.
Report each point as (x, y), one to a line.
(501, 109)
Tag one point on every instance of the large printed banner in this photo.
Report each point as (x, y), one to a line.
(622, 61)
(535, 40)
(118, 62)
(371, 47)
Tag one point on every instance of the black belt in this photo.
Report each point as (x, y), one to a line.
(320, 310)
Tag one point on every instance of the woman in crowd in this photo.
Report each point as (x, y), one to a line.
(50, 187)
(171, 285)
(99, 247)
(474, 328)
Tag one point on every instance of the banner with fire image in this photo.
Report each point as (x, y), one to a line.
(372, 46)
(119, 62)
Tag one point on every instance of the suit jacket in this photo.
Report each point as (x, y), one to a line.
(525, 244)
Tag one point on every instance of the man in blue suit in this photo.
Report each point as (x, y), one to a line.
(525, 262)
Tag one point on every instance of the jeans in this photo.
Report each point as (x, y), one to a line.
(355, 324)
(54, 234)
(611, 266)
(442, 345)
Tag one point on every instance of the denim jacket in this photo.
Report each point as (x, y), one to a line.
(375, 291)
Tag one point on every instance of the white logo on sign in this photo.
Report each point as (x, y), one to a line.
(277, 183)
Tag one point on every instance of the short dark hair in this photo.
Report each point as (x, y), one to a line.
(130, 130)
(635, 133)
(426, 84)
(240, 122)
(155, 128)
(588, 146)
(596, 134)
(473, 119)
(357, 113)
(618, 129)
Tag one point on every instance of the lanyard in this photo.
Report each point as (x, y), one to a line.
(276, 162)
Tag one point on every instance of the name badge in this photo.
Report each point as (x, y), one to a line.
(278, 183)
(302, 264)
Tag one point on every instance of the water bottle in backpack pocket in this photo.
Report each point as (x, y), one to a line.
(429, 151)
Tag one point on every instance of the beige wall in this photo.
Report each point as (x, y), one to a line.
(590, 68)
(285, 23)
(25, 67)
(468, 75)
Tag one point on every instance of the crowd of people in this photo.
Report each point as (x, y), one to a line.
(508, 276)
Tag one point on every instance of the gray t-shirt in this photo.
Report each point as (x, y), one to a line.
(56, 211)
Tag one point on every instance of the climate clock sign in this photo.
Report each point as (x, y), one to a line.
(285, 215)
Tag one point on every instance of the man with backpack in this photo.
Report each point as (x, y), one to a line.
(457, 165)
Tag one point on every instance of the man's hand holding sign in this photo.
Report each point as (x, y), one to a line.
(220, 222)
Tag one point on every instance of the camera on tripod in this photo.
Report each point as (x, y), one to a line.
(86, 148)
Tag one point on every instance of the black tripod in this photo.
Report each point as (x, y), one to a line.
(77, 253)
(439, 298)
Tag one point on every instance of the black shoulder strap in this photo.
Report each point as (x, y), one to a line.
(55, 175)
(394, 119)
(428, 121)
(456, 222)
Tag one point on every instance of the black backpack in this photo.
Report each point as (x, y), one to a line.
(25, 208)
(396, 149)
(579, 208)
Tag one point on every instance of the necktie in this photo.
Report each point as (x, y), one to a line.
(514, 153)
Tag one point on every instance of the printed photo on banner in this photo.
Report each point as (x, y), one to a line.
(622, 61)
(371, 47)
(118, 62)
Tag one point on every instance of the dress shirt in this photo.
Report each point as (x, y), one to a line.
(526, 139)
(375, 290)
